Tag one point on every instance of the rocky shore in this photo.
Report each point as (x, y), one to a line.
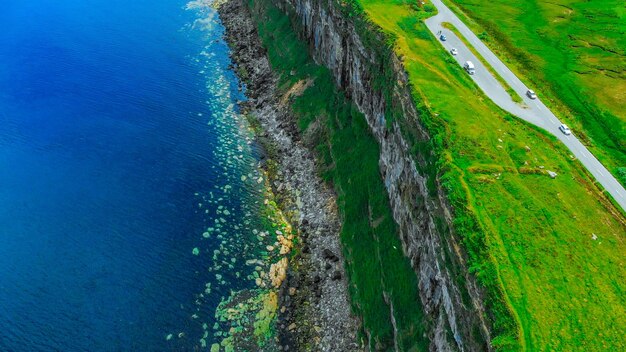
(314, 307)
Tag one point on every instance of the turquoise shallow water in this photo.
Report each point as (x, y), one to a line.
(128, 183)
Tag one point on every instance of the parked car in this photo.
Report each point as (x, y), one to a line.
(531, 94)
(443, 38)
(469, 67)
(566, 131)
(453, 51)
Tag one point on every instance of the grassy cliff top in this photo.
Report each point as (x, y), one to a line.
(556, 245)
(574, 54)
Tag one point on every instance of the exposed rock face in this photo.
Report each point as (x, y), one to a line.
(335, 43)
(315, 310)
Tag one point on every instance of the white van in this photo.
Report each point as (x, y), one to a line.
(469, 67)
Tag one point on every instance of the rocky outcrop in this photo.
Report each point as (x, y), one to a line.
(336, 43)
(314, 313)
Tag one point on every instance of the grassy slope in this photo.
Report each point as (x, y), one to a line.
(566, 290)
(349, 155)
(573, 52)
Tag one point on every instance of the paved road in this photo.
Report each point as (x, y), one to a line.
(533, 111)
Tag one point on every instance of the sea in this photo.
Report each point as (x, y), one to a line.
(130, 191)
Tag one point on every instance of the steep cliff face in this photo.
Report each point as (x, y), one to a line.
(450, 297)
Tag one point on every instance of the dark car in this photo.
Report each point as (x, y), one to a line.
(442, 37)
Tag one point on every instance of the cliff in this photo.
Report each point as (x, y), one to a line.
(372, 77)
(336, 42)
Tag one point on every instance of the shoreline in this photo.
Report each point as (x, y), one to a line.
(314, 310)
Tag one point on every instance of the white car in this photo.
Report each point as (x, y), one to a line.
(531, 94)
(453, 51)
(566, 131)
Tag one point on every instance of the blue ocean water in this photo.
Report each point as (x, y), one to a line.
(118, 126)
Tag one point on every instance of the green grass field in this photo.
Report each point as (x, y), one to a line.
(349, 156)
(573, 52)
(555, 288)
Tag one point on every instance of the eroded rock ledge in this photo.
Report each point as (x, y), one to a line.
(314, 311)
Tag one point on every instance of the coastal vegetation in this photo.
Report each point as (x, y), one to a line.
(573, 53)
